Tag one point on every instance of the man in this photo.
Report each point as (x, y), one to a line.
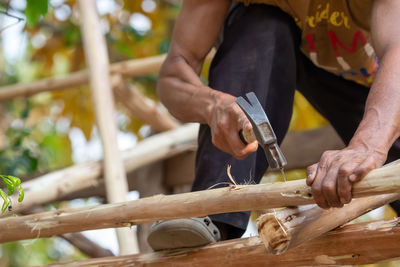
(326, 49)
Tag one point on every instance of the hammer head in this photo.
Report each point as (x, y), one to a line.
(262, 130)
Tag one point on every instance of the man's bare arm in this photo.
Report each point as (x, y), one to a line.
(180, 87)
(333, 176)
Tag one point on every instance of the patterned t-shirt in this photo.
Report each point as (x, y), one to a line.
(335, 35)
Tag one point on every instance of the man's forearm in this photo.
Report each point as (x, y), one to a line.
(183, 93)
(380, 126)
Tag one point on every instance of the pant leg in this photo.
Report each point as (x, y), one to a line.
(339, 100)
(258, 53)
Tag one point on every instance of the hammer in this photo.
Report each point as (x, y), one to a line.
(262, 131)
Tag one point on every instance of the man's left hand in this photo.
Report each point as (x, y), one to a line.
(332, 177)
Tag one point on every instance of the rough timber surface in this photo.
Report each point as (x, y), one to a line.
(362, 243)
(193, 204)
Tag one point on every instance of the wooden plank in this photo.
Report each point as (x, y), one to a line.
(194, 204)
(362, 243)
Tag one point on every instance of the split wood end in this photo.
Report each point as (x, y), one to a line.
(273, 234)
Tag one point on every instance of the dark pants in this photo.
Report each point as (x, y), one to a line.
(260, 53)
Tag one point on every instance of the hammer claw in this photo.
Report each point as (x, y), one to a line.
(253, 108)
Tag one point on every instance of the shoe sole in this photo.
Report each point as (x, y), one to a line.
(182, 233)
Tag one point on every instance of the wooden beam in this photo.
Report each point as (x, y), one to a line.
(59, 184)
(283, 229)
(130, 68)
(142, 107)
(96, 55)
(362, 243)
(194, 204)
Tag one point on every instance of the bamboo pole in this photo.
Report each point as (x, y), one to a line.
(160, 207)
(58, 184)
(362, 243)
(96, 56)
(142, 107)
(129, 68)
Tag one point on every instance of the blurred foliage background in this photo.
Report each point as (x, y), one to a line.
(37, 133)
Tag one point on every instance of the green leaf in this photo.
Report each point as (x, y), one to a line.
(6, 201)
(16, 181)
(21, 194)
(34, 10)
(9, 184)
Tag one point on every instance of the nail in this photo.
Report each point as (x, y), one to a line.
(343, 201)
(352, 178)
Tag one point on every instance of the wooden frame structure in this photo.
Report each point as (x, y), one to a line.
(173, 139)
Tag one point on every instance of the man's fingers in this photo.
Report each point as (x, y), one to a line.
(316, 187)
(316, 190)
(311, 172)
(344, 185)
(361, 170)
(238, 148)
(329, 187)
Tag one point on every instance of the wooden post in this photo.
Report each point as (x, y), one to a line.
(362, 243)
(160, 207)
(98, 65)
(142, 107)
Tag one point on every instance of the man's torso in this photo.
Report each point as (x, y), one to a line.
(335, 34)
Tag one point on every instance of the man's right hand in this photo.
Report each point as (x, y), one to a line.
(226, 119)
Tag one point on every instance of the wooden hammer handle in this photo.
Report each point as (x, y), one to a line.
(247, 137)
